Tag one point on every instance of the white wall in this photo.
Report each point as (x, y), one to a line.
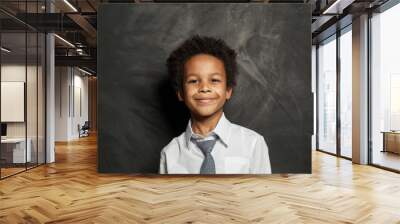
(81, 104)
(16, 73)
(71, 102)
(62, 81)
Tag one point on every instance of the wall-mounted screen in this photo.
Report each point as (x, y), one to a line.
(12, 101)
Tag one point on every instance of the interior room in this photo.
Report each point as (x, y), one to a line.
(80, 139)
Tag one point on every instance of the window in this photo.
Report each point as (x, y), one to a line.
(327, 95)
(385, 88)
(346, 92)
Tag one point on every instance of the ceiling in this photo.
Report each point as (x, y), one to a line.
(76, 22)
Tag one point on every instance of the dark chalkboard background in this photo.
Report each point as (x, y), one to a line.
(138, 113)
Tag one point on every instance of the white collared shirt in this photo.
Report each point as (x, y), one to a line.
(238, 150)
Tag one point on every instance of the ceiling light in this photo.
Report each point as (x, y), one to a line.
(5, 50)
(331, 7)
(64, 40)
(70, 5)
(84, 71)
(337, 7)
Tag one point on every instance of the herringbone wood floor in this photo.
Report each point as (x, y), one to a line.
(71, 191)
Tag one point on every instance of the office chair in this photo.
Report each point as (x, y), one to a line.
(84, 130)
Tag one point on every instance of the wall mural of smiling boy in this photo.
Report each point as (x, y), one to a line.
(240, 100)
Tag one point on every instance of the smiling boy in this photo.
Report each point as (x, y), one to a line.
(203, 73)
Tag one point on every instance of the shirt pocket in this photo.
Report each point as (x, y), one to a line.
(237, 165)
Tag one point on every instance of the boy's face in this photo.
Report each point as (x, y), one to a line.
(204, 85)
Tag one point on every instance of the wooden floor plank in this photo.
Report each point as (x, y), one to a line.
(71, 191)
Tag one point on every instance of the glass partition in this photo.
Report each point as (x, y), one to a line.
(31, 100)
(22, 88)
(13, 94)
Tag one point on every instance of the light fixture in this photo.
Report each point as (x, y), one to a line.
(84, 71)
(64, 40)
(5, 50)
(337, 7)
(70, 5)
(79, 51)
(329, 9)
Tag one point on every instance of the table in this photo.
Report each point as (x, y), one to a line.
(391, 141)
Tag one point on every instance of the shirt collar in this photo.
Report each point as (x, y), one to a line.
(222, 130)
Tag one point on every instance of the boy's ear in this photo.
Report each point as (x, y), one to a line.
(179, 95)
(229, 92)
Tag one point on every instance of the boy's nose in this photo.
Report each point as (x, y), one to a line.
(204, 87)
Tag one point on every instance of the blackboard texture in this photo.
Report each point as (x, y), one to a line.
(138, 113)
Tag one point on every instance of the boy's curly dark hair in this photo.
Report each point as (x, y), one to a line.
(201, 45)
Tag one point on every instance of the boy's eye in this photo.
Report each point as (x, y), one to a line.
(216, 80)
(192, 81)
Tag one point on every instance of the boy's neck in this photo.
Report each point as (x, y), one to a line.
(204, 125)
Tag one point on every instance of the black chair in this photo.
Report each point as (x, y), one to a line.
(84, 130)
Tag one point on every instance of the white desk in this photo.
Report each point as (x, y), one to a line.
(18, 149)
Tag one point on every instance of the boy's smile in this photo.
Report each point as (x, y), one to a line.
(204, 86)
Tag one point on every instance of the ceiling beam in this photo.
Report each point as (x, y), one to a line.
(83, 61)
(86, 26)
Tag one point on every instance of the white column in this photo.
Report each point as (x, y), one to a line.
(360, 90)
(50, 93)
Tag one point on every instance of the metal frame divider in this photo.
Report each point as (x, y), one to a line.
(338, 98)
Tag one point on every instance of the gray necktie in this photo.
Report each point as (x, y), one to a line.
(206, 146)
